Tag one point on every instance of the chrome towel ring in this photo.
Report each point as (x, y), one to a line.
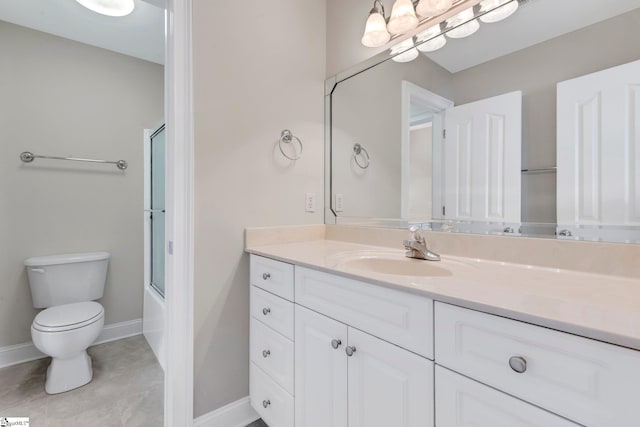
(286, 137)
(359, 152)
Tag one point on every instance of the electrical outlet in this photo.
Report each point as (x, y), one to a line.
(339, 205)
(310, 202)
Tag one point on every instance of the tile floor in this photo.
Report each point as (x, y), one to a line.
(127, 390)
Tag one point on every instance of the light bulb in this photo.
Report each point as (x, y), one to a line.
(403, 17)
(375, 32)
(404, 51)
(500, 9)
(461, 30)
(433, 7)
(109, 7)
(430, 39)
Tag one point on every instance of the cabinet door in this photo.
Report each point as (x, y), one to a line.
(388, 386)
(320, 370)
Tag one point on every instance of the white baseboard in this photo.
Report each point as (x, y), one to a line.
(236, 414)
(26, 352)
(118, 331)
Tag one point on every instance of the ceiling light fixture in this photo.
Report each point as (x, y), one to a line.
(109, 7)
(500, 9)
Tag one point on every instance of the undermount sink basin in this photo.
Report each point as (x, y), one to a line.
(392, 263)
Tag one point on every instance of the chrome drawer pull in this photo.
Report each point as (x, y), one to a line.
(266, 353)
(266, 311)
(266, 276)
(336, 343)
(266, 403)
(518, 364)
(350, 350)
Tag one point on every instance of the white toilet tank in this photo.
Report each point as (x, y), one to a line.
(68, 278)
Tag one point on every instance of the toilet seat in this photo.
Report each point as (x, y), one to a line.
(68, 316)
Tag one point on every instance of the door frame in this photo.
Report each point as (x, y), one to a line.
(436, 104)
(178, 382)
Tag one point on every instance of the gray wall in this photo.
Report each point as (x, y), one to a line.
(366, 109)
(250, 83)
(536, 71)
(60, 97)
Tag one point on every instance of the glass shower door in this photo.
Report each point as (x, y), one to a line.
(157, 213)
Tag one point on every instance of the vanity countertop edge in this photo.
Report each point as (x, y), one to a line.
(600, 307)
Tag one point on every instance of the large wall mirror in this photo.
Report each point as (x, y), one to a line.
(530, 126)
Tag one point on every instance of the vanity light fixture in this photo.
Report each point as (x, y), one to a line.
(378, 31)
(109, 7)
(409, 52)
(433, 7)
(375, 31)
(403, 17)
(430, 39)
(462, 25)
(500, 9)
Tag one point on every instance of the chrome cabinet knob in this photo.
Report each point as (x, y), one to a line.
(266, 353)
(266, 311)
(336, 343)
(266, 403)
(266, 276)
(518, 364)
(350, 350)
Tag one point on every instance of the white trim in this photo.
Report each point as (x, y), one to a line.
(26, 352)
(236, 414)
(436, 104)
(178, 385)
(19, 353)
(118, 331)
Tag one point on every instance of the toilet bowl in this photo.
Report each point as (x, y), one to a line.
(66, 286)
(64, 332)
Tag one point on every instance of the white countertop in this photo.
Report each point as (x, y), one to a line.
(605, 308)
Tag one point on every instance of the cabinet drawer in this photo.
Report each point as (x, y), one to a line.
(398, 317)
(590, 382)
(273, 311)
(271, 402)
(461, 402)
(273, 353)
(273, 276)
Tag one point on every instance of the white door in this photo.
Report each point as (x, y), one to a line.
(388, 386)
(598, 148)
(482, 152)
(320, 370)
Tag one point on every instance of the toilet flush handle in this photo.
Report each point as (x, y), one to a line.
(37, 270)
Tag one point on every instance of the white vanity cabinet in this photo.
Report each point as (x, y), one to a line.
(330, 351)
(359, 354)
(345, 377)
(587, 381)
(271, 348)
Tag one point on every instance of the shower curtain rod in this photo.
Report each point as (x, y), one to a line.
(28, 157)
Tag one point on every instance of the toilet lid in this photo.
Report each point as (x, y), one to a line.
(68, 316)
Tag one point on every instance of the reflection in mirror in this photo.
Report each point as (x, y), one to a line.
(502, 130)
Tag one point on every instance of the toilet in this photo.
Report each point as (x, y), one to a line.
(65, 286)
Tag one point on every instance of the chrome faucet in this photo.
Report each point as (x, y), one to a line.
(417, 246)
